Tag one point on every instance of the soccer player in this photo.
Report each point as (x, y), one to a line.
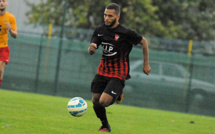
(7, 25)
(116, 41)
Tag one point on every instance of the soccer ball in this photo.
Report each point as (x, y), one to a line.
(77, 106)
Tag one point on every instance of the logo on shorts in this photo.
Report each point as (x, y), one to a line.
(113, 92)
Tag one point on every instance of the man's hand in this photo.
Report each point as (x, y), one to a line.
(8, 26)
(146, 69)
(92, 48)
(13, 33)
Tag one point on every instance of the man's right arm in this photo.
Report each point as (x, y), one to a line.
(92, 48)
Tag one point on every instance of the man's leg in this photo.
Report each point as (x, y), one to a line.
(99, 108)
(105, 92)
(105, 99)
(2, 66)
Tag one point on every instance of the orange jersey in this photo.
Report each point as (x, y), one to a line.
(7, 18)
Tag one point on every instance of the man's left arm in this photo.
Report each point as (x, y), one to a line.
(146, 67)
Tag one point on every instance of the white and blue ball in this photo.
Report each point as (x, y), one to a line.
(77, 106)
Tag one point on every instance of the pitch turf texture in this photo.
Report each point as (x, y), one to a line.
(26, 113)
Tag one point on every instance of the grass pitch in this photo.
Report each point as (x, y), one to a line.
(26, 113)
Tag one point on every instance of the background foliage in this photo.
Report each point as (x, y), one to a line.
(181, 19)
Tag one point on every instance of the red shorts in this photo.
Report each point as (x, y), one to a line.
(4, 54)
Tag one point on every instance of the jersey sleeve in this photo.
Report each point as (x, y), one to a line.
(13, 23)
(95, 39)
(134, 37)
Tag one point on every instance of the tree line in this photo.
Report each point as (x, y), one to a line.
(178, 19)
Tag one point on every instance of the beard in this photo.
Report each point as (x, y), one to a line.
(112, 23)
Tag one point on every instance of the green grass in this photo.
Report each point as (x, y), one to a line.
(26, 113)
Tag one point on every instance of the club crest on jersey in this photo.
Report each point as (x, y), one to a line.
(116, 37)
(5, 22)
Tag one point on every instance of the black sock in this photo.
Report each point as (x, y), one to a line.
(101, 114)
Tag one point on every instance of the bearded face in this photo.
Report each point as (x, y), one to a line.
(110, 18)
(3, 5)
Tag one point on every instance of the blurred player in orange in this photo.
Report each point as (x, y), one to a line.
(7, 25)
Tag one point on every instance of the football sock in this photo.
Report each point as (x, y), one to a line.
(0, 82)
(101, 114)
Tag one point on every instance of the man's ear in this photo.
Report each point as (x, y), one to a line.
(118, 17)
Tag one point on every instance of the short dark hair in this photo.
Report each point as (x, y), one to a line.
(115, 7)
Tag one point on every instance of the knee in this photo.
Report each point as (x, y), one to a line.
(1, 72)
(99, 102)
(103, 100)
(1, 69)
(95, 101)
(104, 103)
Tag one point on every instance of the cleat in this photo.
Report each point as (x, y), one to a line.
(120, 98)
(105, 129)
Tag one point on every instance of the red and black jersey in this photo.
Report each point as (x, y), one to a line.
(116, 45)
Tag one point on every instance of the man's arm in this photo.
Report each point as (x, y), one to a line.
(13, 33)
(146, 67)
(92, 48)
